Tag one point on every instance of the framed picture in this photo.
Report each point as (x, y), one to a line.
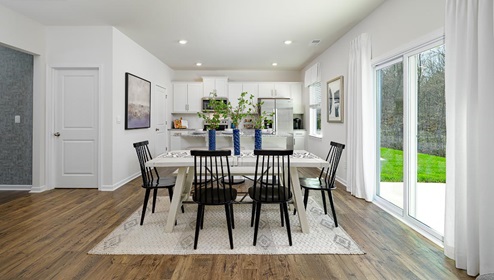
(137, 102)
(335, 100)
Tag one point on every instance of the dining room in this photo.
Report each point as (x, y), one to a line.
(81, 90)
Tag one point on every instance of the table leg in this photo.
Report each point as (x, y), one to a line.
(298, 199)
(188, 184)
(177, 198)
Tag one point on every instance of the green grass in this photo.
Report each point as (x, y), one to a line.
(431, 168)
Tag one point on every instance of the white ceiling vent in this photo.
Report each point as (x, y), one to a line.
(314, 42)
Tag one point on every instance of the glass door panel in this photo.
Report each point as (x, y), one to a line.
(390, 92)
(426, 196)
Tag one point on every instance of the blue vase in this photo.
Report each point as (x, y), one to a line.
(212, 139)
(236, 142)
(258, 139)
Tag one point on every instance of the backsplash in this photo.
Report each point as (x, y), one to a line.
(16, 99)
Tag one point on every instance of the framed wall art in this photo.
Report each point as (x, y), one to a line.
(137, 102)
(335, 99)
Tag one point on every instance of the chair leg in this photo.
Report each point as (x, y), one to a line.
(287, 220)
(306, 198)
(258, 216)
(229, 223)
(145, 205)
(253, 214)
(323, 196)
(281, 215)
(233, 217)
(330, 195)
(202, 219)
(155, 194)
(200, 209)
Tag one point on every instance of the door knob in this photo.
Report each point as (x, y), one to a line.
(157, 129)
(57, 134)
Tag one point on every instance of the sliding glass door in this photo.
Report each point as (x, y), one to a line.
(390, 89)
(412, 136)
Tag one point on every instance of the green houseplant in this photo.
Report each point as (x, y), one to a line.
(214, 118)
(260, 119)
(236, 114)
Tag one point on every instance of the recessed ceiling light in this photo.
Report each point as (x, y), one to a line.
(182, 42)
(274, 64)
(288, 42)
(198, 64)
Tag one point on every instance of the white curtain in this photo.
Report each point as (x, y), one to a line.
(361, 118)
(469, 225)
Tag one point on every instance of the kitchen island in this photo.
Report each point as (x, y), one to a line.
(186, 140)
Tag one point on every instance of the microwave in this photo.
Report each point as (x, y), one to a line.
(206, 107)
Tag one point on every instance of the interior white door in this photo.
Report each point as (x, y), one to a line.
(159, 120)
(76, 127)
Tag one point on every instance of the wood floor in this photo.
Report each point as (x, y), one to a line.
(48, 235)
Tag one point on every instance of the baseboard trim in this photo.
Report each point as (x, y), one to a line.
(15, 187)
(110, 188)
(40, 189)
(341, 181)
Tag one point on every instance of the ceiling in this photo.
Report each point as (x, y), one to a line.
(221, 34)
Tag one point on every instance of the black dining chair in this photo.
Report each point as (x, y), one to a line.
(210, 167)
(150, 178)
(326, 180)
(272, 185)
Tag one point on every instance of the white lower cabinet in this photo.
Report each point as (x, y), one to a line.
(299, 139)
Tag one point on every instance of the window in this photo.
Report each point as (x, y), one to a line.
(315, 109)
(412, 136)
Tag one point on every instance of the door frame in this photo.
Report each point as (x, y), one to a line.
(50, 163)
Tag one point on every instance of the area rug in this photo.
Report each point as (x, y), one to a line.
(132, 239)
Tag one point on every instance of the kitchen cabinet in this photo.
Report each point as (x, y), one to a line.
(299, 139)
(187, 97)
(274, 90)
(296, 94)
(236, 89)
(215, 84)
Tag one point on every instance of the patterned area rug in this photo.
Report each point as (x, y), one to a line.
(132, 239)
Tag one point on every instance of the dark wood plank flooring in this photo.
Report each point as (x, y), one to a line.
(48, 235)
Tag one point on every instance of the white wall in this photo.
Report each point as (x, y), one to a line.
(392, 25)
(112, 51)
(26, 35)
(89, 46)
(239, 75)
(130, 57)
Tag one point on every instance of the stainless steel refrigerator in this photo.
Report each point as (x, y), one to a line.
(283, 113)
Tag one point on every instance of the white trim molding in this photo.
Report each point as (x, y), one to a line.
(15, 187)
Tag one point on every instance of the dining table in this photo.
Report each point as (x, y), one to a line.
(243, 164)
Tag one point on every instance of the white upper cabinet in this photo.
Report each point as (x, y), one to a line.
(296, 93)
(187, 97)
(274, 90)
(215, 84)
(236, 89)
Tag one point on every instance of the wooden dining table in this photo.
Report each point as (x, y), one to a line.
(242, 164)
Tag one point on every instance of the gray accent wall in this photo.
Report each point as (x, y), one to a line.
(16, 99)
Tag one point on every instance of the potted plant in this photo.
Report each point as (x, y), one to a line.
(236, 114)
(260, 119)
(214, 118)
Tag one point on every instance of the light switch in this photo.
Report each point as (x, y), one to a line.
(119, 120)
(17, 119)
